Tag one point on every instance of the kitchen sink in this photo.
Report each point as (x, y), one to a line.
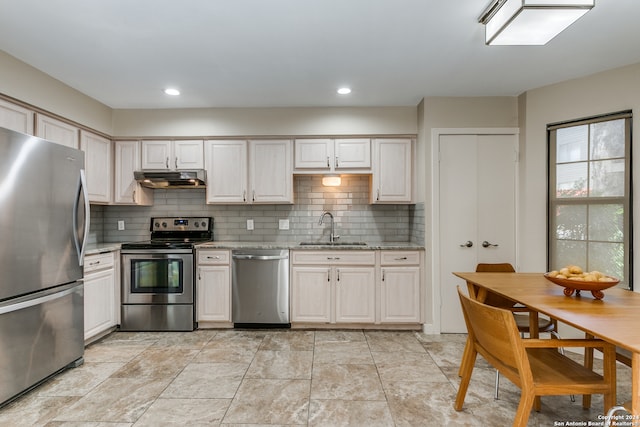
(333, 244)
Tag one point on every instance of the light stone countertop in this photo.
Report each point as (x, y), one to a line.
(298, 246)
(97, 248)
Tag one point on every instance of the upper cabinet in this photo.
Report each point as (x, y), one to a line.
(249, 171)
(56, 131)
(332, 155)
(392, 177)
(186, 154)
(98, 166)
(16, 118)
(126, 188)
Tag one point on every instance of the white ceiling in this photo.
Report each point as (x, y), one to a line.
(272, 53)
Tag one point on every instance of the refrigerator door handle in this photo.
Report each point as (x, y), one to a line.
(81, 241)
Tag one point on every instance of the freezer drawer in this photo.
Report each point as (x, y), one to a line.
(46, 334)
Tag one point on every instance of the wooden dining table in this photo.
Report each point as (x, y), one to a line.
(614, 318)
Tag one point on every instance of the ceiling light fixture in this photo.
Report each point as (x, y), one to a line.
(172, 91)
(344, 91)
(331, 180)
(530, 22)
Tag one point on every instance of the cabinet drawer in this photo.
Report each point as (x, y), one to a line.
(333, 257)
(400, 258)
(212, 257)
(98, 262)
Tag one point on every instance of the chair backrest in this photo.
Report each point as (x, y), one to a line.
(495, 334)
(493, 299)
(503, 267)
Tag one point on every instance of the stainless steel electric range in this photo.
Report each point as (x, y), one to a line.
(158, 287)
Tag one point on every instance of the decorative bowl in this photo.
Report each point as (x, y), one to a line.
(575, 286)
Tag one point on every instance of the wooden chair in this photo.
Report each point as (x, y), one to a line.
(534, 365)
(623, 356)
(520, 313)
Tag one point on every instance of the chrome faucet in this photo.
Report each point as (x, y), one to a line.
(332, 236)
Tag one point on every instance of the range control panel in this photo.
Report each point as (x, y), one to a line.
(181, 224)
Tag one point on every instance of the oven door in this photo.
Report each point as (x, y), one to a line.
(157, 277)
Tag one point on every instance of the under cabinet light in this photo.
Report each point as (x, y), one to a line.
(530, 22)
(331, 180)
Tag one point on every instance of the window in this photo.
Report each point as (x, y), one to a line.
(589, 221)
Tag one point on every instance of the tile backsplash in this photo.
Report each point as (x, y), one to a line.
(355, 218)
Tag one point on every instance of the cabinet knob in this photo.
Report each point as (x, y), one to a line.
(166, 163)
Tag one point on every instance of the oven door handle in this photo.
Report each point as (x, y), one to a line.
(261, 257)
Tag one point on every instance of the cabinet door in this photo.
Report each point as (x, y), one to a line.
(352, 153)
(98, 165)
(313, 154)
(392, 171)
(214, 293)
(271, 173)
(311, 294)
(99, 302)
(127, 190)
(156, 155)
(400, 294)
(355, 294)
(57, 131)
(16, 118)
(226, 165)
(188, 154)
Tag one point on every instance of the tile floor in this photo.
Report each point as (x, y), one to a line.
(280, 377)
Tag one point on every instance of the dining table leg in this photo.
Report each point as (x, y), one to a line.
(635, 388)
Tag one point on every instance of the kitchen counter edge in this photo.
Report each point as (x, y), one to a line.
(297, 246)
(98, 248)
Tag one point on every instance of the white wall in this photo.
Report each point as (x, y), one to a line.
(448, 112)
(266, 121)
(602, 93)
(27, 84)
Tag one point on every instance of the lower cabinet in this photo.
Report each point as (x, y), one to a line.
(333, 287)
(356, 287)
(400, 287)
(213, 290)
(100, 294)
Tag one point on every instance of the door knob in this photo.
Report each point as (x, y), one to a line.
(486, 244)
(467, 245)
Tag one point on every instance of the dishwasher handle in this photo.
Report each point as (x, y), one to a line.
(261, 257)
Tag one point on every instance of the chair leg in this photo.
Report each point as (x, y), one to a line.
(588, 363)
(497, 385)
(467, 348)
(468, 363)
(524, 409)
(609, 416)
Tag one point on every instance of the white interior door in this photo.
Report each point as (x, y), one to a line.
(477, 212)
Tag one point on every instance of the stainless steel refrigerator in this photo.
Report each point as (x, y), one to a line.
(44, 220)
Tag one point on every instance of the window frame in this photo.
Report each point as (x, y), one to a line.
(625, 200)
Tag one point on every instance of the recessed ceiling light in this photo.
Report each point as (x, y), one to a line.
(172, 91)
(344, 91)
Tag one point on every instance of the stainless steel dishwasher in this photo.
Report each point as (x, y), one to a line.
(260, 283)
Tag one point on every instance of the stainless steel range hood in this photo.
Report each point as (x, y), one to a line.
(171, 179)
